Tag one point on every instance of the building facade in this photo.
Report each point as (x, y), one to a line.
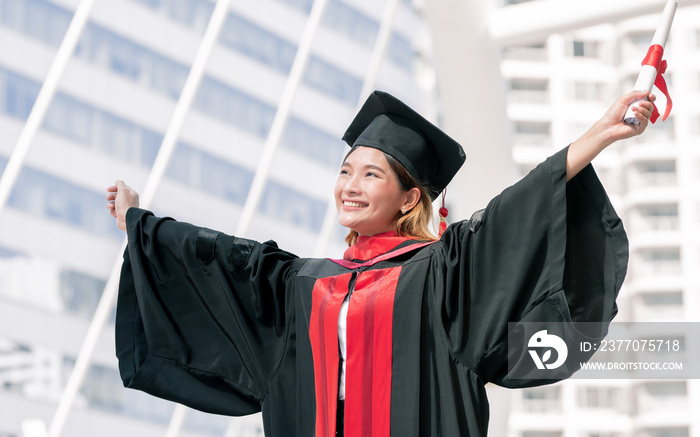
(556, 89)
(106, 122)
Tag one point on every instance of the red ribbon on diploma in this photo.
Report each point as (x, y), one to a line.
(654, 58)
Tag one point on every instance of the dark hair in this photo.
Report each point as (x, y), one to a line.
(415, 223)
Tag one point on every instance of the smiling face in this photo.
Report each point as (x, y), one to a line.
(368, 195)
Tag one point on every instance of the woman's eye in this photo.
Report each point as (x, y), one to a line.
(372, 174)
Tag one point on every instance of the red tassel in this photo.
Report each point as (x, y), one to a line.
(443, 214)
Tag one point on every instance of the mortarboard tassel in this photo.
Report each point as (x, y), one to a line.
(443, 214)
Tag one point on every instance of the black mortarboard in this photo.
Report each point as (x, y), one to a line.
(386, 123)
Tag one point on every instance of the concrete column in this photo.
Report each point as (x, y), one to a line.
(472, 95)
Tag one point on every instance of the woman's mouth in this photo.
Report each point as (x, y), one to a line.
(354, 204)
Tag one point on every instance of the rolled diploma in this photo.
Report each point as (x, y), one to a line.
(647, 75)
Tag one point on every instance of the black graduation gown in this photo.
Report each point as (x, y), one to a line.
(232, 326)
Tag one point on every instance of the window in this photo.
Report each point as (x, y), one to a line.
(653, 173)
(641, 40)
(39, 19)
(234, 107)
(302, 5)
(541, 399)
(667, 432)
(81, 123)
(48, 196)
(312, 143)
(400, 52)
(20, 94)
(587, 91)
(532, 133)
(659, 261)
(597, 397)
(663, 299)
(584, 49)
(80, 293)
(132, 61)
(253, 41)
(528, 90)
(667, 388)
(292, 206)
(541, 434)
(71, 119)
(331, 80)
(5, 252)
(209, 173)
(191, 13)
(658, 217)
(30, 371)
(350, 22)
(532, 52)
(166, 76)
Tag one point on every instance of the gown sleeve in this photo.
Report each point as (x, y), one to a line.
(545, 250)
(202, 317)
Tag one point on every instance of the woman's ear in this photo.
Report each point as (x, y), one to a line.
(412, 198)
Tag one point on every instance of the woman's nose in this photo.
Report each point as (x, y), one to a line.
(351, 186)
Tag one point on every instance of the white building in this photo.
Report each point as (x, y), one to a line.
(106, 122)
(556, 88)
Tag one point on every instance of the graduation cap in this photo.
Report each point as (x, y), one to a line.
(386, 123)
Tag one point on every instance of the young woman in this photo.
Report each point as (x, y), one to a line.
(400, 336)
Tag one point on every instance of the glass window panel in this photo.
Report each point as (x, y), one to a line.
(188, 11)
(587, 49)
(302, 5)
(541, 433)
(8, 253)
(401, 52)
(80, 292)
(667, 388)
(119, 137)
(313, 143)
(125, 57)
(20, 95)
(166, 76)
(38, 19)
(258, 43)
(95, 46)
(150, 144)
(663, 299)
(11, 12)
(224, 179)
(151, 3)
(668, 432)
(179, 168)
(70, 118)
(209, 173)
(48, 196)
(331, 80)
(292, 206)
(350, 22)
(234, 107)
(143, 406)
(81, 123)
